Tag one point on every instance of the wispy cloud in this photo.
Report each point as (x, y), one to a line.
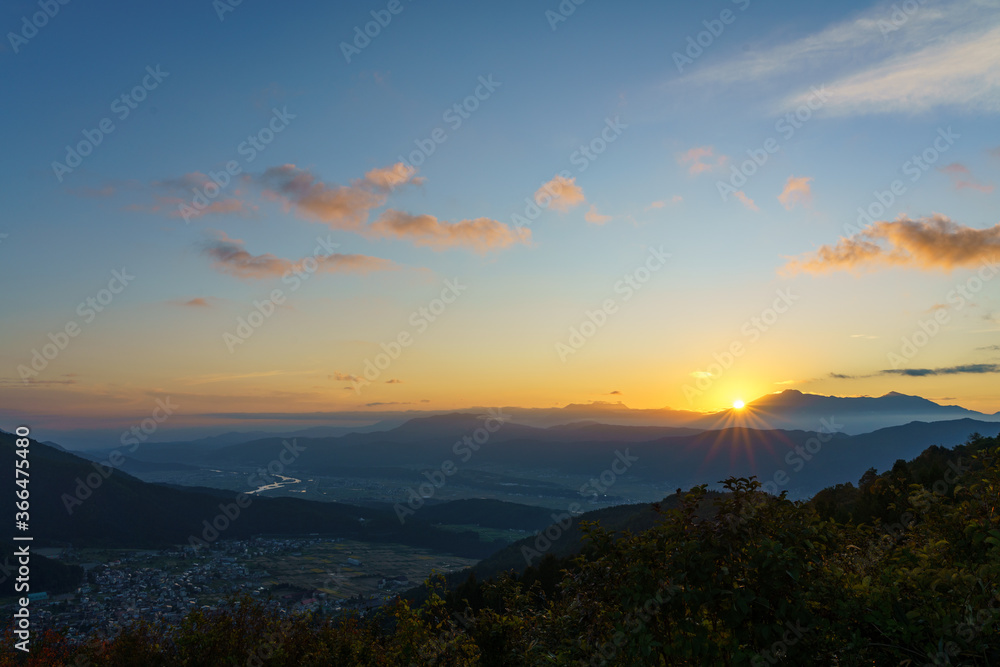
(702, 159)
(31, 382)
(934, 242)
(961, 72)
(963, 369)
(973, 369)
(339, 206)
(481, 234)
(185, 182)
(594, 216)
(746, 201)
(388, 179)
(797, 191)
(962, 179)
(662, 203)
(184, 197)
(228, 377)
(230, 256)
(229, 206)
(350, 206)
(943, 54)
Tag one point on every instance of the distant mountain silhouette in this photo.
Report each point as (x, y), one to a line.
(524, 458)
(790, 409)
(795, 409)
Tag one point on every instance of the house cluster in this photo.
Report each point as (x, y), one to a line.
(128, 590)
(167, 585)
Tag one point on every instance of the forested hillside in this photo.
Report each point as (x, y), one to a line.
(903, 569)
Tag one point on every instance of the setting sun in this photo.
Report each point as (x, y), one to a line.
(738, 404)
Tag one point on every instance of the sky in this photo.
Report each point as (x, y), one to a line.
(323, 207)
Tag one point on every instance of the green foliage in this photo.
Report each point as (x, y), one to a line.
(903, 569)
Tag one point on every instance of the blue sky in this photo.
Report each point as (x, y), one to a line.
(894, 81)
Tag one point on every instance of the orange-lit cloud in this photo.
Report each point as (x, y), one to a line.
(592, 215)
(561, 193)
(962, 178)
(746, 201)
(229, 256)
(339, 206)
(349, 206)
(389, 178)
(797, 191)
(701, 159)
(198, 302)
(481, 234)
(223, 206)
(927, 243)
(676, 199)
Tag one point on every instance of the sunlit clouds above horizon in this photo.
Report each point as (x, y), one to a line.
(680, 205)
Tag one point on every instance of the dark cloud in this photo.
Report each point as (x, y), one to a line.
(976, 369)
(963, 369)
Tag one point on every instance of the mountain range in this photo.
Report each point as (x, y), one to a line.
(800, 442)
(789, 409)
